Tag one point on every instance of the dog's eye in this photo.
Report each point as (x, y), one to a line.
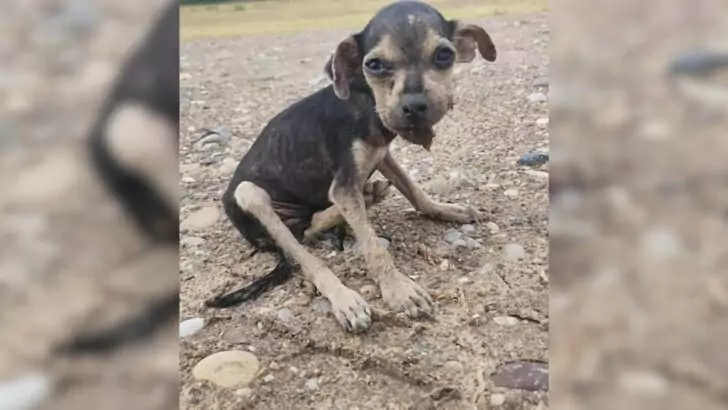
(376, 66)
(444, 57)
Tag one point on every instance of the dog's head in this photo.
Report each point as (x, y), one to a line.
(405, 56)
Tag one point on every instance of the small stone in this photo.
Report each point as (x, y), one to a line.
(25, 392)
(201, 219)
(533, 159)
(465, 280)
(191, 241)
(285, 315)
(493, 228)
(228, 166)
(467, 229)
(268, 378)
(514, 252)
(490, 186)
(506, 320)
(312, 384)
(245, 392)
(191, 326)
(471, 243)
(537, 98)
(530, 375)
(511, 192)
(500, 237)
(542, 122)
(321, 305)
(445, 265)
(384, 241)
(542, 81)
(234, 368)
(439, 186)
(274, 366)
(460, 243)
(452, 235)
(537, 174)
(486, 269)
(497, 399)
(368, 291)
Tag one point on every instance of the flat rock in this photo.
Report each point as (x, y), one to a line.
(321, 305)
(542, 122)
(506, 320)
(460, 244)
(452, 235)
(312, 384)
(467, 229)
(533, 159)
(493, 228)
(497, 399)
(537, 98)
(511, 192)
(233, 368)
(514, 252)
(530, 375)
(201, 219)
(191, 326)
(471, 243)
(285, 315)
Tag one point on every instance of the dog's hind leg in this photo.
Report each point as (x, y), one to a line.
(348, 307)
(331, 217)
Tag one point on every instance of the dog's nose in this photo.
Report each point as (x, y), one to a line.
(414, 105)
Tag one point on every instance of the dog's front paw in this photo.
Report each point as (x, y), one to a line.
(455, 213)
(402, 294)
(350, 309)
(376, 192)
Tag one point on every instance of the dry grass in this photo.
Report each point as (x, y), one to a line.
(291, 16)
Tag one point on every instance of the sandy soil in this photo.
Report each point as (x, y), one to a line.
(236, 85)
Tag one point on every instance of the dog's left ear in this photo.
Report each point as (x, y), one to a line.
(343, 66)
(466, 37)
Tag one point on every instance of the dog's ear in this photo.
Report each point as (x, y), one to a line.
(466, 37)
(343, 66)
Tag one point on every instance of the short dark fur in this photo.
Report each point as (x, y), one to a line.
(150, 76)
(308, 145)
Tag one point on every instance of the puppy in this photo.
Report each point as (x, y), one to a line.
(133, 149)
(308, 170)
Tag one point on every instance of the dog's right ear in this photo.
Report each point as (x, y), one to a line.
(343, 66)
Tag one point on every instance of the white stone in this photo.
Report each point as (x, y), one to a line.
(312, 384)
(506, 320)
(511, 193)
(191, 326)
(542, 122)
(493, 228)
(514, 252)
(497, 399)
(201, 219)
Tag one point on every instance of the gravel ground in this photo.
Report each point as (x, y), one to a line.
(492, 297)
(69, 261)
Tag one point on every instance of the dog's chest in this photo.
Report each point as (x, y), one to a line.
(367, 158)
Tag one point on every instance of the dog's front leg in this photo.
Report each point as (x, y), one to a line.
(398, 291)
(420, 200)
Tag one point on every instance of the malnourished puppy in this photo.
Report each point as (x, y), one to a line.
(134, 150)
(308, 170)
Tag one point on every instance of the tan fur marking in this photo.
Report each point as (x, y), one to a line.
(144, 142)
(420, 200)
(367, 158)
(348, 306)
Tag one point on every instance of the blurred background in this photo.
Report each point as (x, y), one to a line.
(70, 261)
(638, 228)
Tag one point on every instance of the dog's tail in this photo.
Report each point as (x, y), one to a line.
(279, 275)
(137, 328)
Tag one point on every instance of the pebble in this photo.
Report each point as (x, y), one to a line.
(439, 186)
(542, 122)
(467, 229)
(497, 399)
(465, 280)
(201, 219)
(234, 368)
(530, 375)
(312, 384)
(490, 186)
(285, 315)
(500, 237)
(452, 235)
(537, 98)
(471, 243)
(511, 192)
(542, 81)
(492, 227)
(268, 378)
(532, 159)
(506, 320)
(514, 252)
(321, 305)
(191, 326)
(228, 166)
(25, 392)
(191, 241)
(245, 392)
(537, 174)
(460, 243)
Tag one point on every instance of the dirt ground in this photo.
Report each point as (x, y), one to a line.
(69, 260)
(492, 305)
